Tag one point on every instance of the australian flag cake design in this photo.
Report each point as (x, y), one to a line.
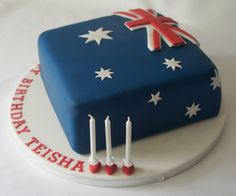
(137, 63)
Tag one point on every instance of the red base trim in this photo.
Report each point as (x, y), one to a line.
(110, 169)
(128, 170)
(95, 168)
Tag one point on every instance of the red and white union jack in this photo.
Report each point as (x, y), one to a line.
(157, 27)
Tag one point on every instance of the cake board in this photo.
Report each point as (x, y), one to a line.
(156, 158)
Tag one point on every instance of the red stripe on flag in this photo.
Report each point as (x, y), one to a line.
(151, 11)
(166, 19)
(156, 40)
(135, 23)
(184, 33)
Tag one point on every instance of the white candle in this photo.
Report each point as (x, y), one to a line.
(128, 160)
(92, 129)
(109, 159)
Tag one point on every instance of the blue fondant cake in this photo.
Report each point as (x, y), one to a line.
(138, 64)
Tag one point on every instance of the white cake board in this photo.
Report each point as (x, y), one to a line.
(156, 158)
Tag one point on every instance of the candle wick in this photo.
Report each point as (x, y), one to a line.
(90, 116)
(107, 118)
(128, 118)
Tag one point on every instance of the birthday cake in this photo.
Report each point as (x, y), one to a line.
(138, 65)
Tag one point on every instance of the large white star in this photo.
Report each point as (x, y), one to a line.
(97, 35)
(215, 80)
(155, 98)
(172, 64)
(104, 73)
(192, 110)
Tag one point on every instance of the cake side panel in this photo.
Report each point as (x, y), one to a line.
(149, 119)
(55, 89)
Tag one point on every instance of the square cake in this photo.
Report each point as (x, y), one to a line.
(138, 64)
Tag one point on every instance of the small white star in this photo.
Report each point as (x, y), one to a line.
(172, 64)
(97, 35)
(155, 98)
(192, 110)
(215, 80)
(104, 73)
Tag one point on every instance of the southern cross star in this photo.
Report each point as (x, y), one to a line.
(215, 80)
(104, 73)
(192, 110)
(172, 64)
(97, 35)
(155, 98)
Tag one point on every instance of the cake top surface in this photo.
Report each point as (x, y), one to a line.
(102, 58)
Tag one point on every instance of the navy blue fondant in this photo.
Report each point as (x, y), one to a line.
(68, 66)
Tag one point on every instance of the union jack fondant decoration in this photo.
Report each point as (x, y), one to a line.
(157, 27)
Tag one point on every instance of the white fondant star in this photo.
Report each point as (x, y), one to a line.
(172, 64)
(155, 98)
(104, 73)
(192, 110)
(97, 35)
(215, 80)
